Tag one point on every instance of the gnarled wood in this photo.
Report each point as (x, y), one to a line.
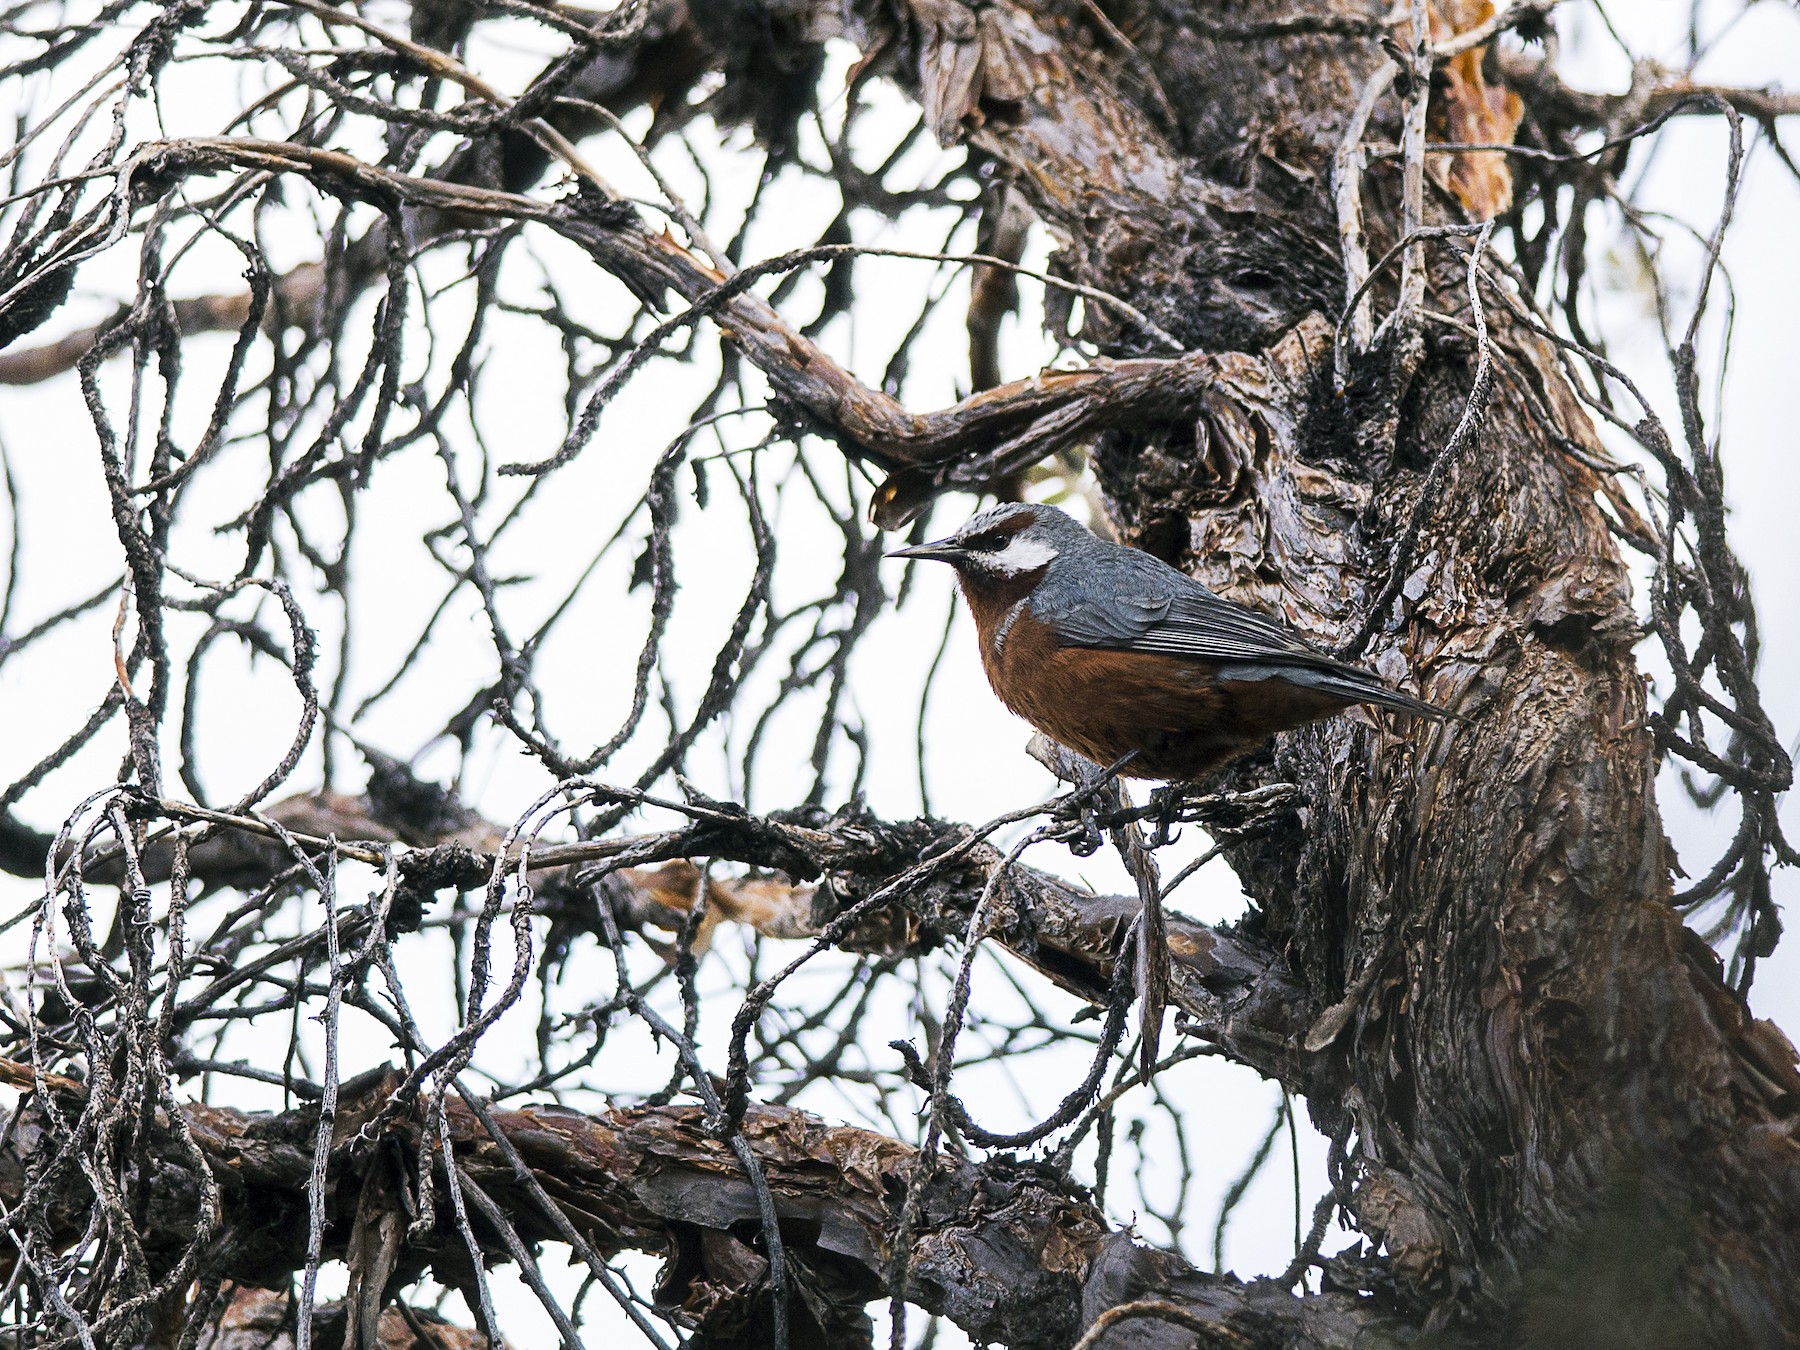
(1009, 1253)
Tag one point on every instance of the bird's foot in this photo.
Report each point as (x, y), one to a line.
(1165, 804)
(1084, 838)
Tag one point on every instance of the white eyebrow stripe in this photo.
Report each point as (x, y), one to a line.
(1020, 555)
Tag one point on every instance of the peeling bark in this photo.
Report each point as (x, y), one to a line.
(1010, 1253)
(1527, 1056)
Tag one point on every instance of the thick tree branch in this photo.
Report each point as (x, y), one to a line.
(1234, 991)
(1536, 79)
(1009, 1253)
(988, 436)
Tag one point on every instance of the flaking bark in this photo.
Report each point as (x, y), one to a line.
(1009, 1252)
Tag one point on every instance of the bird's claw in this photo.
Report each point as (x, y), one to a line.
(1087, 838)
(1166, 802)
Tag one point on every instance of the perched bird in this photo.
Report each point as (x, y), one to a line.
(1110, 651)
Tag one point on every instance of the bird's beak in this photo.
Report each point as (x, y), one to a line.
(944, 550)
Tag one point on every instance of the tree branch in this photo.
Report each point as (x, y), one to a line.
(1234, 991)
(1010, 1253)
(1536, 79)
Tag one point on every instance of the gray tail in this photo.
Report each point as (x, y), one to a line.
(1364, 687)
(1350, 683)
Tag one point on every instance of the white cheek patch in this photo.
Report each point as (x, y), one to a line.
(1020, 556)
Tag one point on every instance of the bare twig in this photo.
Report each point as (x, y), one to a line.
(1400, 559)
(1347, 187)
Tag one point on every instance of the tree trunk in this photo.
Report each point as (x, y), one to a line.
(1566, 1127)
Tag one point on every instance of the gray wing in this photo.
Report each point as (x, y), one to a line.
(1148, 606)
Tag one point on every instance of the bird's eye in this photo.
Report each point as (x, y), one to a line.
(990, 541)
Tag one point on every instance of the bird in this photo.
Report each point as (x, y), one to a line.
(1118, 656)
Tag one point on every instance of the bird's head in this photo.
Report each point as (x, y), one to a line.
(1005, 542)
